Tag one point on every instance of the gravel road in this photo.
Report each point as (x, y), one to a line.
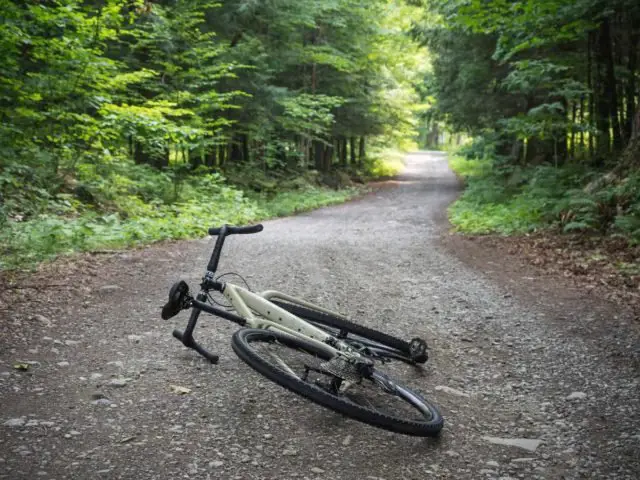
(529, 390)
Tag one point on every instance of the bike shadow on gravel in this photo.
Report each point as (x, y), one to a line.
(324, 425)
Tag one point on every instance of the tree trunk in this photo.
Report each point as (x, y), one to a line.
(591, 95)
(352, 150)
(560, 150)
(328, 157)
(609, 91)
(343, 151)
(560, 147)
(235, 150)
(195, 157)
(245, 147)
(634, 38)
(539, 151)
(361, 151)
(517, 151)
(572, 152)
(313, 78)
(603, 114)
(314, 66)
(581, 122)
(222, 151)
(318, 155)
(211, 158)
(631, 156)
(304, 147)
(162, 160)
(139, 155)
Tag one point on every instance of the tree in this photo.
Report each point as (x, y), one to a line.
(565, 70)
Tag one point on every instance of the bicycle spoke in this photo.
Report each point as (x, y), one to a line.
(381, 394)
(281, 363)
(374, 393)
(289, 360)
(345, 384)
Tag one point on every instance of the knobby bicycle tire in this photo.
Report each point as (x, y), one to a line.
(348, 326)
(241, 344)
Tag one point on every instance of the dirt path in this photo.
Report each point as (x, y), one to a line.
(97, 401)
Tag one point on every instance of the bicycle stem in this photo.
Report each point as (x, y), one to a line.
(217, 250)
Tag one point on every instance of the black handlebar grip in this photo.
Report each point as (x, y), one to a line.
(178, 335)
(238, 230)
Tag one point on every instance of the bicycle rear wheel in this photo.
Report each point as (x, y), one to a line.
(383, 344)
(299, 366)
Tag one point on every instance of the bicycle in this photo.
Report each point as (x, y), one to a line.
(333, 359)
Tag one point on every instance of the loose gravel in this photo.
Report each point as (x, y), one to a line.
(93, 385)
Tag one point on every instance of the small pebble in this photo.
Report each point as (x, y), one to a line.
(15, 422)
(576, 396)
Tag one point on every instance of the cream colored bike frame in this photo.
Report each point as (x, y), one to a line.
(247, 304)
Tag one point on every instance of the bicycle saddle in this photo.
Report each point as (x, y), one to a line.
(178, 299)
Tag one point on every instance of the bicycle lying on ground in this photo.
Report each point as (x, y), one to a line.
(312, 351)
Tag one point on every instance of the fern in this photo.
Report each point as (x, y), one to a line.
(576, 226)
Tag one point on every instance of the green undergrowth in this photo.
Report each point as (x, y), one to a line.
(386, 163)
(115, 203)
(488, 205)
(507, 199)
(122, 211)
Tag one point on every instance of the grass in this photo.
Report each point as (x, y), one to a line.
(466, 168)
(126, 205)
(509, 199)
(287, 203)
(489, 204)
(27, 243)
(386, 163)
(513, 217)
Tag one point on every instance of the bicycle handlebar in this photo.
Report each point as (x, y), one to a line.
(222, 232)
(235, 230)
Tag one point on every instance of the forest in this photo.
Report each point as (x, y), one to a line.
(130, 121)
(548, 91)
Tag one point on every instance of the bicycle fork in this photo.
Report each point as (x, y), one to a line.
(198, 305)
(186, 337)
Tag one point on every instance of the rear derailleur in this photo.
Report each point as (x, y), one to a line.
(340, 369)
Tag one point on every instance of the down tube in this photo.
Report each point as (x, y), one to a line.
(244, 301)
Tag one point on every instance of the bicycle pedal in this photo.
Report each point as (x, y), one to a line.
(418, 350)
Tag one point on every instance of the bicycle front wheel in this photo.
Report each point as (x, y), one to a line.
(300, 366)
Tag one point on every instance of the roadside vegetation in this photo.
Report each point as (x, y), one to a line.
(548, 93)
(507, 199)
(125, 122)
